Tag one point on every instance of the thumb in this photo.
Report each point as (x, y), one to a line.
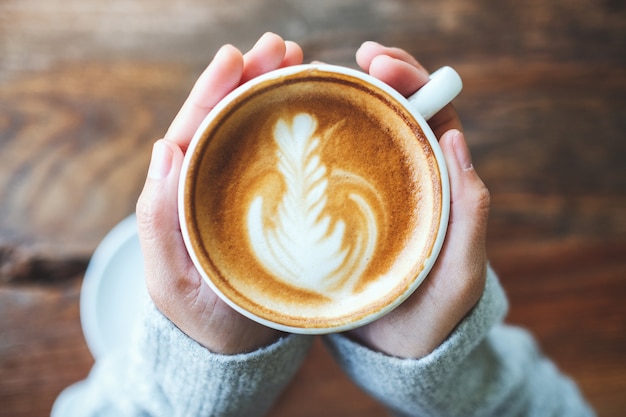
(167, 264)
(469, 197)
(465, 253)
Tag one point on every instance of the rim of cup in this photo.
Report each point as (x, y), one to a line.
(407, 103)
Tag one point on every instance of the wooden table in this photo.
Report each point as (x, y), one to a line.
(86, 87)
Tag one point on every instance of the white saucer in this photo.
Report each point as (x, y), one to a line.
(113, 291)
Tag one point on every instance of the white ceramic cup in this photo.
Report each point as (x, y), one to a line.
(443, 87)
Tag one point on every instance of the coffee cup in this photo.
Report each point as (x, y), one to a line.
(315, 198)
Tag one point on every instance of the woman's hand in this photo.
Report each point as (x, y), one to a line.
(174, 284)
(457, 279)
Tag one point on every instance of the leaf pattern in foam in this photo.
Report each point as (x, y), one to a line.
(303, 247)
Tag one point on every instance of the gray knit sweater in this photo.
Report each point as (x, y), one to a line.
(483, 369)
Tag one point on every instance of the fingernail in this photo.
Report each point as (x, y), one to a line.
(265, 36)
(461, 151)
(161, 162)
(372, 43)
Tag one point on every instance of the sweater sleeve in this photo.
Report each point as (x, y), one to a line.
(166, 373)
(484, 368)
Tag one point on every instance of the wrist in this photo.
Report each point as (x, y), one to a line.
(246, 342)
(409, 344)
(233, 336)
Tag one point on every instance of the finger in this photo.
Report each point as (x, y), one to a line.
(370, 50)
(469, 197)
(266, 55)
(393, 66)
(169, 271)
(406, 79)
(402, 76)
(221, 76)
(293, 54)
(401, 71)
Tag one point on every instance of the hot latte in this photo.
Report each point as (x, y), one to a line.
(312, 202)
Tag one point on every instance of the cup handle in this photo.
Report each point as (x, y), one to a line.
(444, 85)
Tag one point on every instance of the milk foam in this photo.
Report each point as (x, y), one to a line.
(300, 243)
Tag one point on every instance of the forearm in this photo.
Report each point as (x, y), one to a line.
(165, 373)
(482, 369)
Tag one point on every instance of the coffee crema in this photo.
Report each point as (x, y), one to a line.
(313, 202)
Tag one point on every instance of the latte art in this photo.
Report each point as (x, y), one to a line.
(299, 244)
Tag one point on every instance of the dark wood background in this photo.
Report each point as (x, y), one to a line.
(86, 86)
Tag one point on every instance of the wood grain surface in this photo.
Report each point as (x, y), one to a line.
(87, 86)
